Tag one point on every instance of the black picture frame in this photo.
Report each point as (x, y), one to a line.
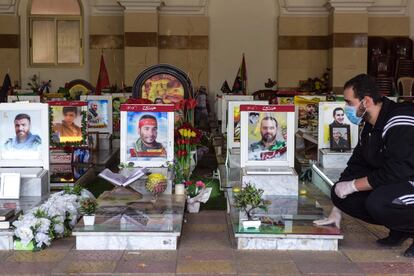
(340, 138)
(158, 69)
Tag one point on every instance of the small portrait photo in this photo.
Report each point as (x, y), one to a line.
(99, 113)
(332, 114)
(81, 156)
(147, 135)
(285, 100)
(267, 136)
(66, 124)
(93, 140)
(340, 138)
(117, 100)
(20, 134)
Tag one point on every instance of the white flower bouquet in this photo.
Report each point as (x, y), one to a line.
(53, 219)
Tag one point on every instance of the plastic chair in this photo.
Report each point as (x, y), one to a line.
(406, 86)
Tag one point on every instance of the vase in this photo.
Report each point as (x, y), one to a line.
(89, 219)
(251, 224)
(193, 207)
(18, 245)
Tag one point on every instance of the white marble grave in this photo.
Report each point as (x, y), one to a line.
(288, 242)
(34, 181)
(283, 183)
(333, 159)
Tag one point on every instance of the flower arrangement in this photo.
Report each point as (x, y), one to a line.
(156, 184)
(248, 199)
(187, 137)
(317, 85)
(88, 206)
(186, 107)
(193, 188)
(53, 219)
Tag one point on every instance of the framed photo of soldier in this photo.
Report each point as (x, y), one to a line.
(99, 114)
(267, 135)
(333, 114)
(234, 123)
(340, 138)
(24, 135)
(68, 123)
(147, 134)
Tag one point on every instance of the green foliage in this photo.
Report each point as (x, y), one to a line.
(248, 199)
(129, 165)
(88, 206)
(75, 190)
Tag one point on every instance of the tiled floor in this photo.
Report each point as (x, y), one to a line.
(207, 248)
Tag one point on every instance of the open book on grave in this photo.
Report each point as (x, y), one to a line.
(120, 180)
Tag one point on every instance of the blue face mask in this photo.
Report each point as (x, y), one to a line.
(351, 114)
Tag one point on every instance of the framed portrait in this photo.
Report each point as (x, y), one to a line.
(163, 82)
(68, 123)
(224, 107)
(81, 155)
(23, 98)
(117, 100)
(333, 114)
(340, 138)
(233, 126)
(24, 135)
(307, 112)
(268, 140)
(147, 134)
(93, 140)
(99, 114)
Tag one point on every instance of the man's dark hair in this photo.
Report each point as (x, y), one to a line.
(364, 85)
(67, 109)
(22, 116)
(337, 109)
(253, 114)
(269, 118)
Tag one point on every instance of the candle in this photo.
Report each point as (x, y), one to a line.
(179, 189)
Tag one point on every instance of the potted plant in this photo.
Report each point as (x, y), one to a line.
(248, 199)
(88, 208)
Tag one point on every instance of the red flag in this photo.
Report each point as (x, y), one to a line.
(103, 78)
(240, 83)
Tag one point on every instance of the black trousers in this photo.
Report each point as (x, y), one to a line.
(377, 207)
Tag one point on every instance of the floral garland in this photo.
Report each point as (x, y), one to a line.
(68, 144)
(53, 219)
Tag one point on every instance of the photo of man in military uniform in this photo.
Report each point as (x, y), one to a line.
(268, 147)
(146, 145)
(24, 139)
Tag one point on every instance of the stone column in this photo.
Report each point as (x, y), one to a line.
(140, 36)
(348, 39)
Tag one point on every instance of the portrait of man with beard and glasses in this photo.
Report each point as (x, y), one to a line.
(24, 139)
(272, 143)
